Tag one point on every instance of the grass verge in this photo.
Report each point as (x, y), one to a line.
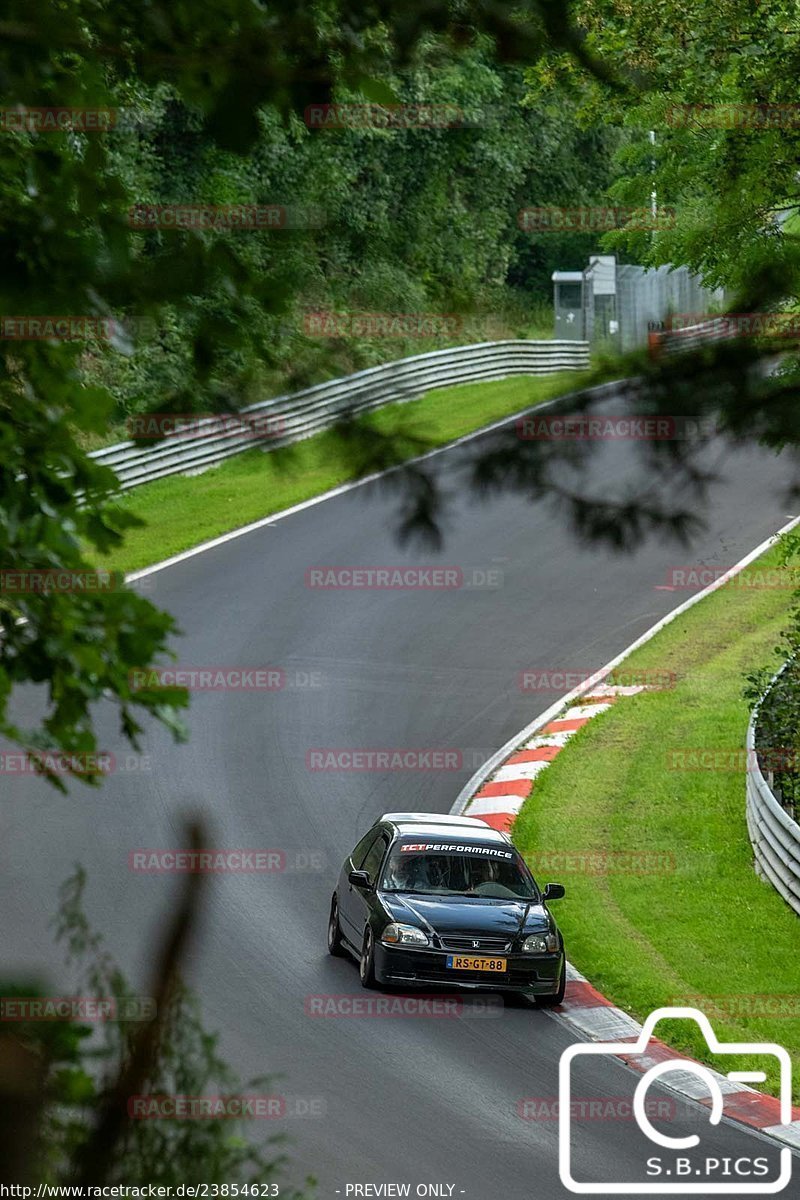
(182, 512)
(703, 930)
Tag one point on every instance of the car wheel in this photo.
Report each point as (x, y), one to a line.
(556, 997)
(366, 964)
(335, 946)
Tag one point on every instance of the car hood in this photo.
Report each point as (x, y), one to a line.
(465, 914)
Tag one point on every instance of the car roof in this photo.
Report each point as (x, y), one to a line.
(417, 818)
(435, 825)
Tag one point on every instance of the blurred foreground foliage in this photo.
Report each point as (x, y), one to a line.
(66, 1087)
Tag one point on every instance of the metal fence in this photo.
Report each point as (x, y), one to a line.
(773, 833)
(286, 419)
(616, 305)
(646, 296)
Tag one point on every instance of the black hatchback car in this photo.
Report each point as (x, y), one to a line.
(446, 901)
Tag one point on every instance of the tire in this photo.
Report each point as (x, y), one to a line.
(366, 964)
(335, 944)
(555, 998)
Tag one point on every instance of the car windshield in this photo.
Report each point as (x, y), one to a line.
(440, 871)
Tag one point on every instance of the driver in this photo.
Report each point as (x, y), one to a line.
(407, 873)
(480, 872)
(485, 877)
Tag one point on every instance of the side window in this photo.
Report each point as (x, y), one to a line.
(374, 857)
(360, 852)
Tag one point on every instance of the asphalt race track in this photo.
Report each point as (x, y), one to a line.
(416, 1099)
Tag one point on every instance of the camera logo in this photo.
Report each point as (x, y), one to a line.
(675, 1175)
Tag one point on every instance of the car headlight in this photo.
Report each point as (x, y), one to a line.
(540, 943)
(406, 935)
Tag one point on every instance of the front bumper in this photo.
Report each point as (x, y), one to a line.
(536, 974)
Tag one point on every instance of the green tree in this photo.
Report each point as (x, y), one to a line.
(211, 102)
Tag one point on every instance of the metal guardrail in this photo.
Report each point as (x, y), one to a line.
(774, 835)
(299, 415)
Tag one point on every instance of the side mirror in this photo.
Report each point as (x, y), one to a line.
(553, 891)
(359, 879)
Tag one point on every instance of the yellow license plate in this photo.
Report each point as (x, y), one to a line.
(469, 962)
